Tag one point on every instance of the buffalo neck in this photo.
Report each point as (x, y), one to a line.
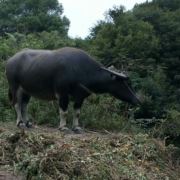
(98, 84)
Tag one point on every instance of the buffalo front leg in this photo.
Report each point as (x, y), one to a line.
(63, 112)
(76, 128)
(63, 119)
(79, 95)
(76, 118)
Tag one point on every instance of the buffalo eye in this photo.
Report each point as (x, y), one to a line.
(113, 77)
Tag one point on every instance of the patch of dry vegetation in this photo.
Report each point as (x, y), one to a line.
(46, 154)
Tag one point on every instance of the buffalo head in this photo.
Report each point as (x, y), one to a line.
(119, 87)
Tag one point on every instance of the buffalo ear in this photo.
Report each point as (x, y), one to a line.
(115, 75)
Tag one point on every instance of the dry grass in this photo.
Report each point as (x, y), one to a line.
(45, 153)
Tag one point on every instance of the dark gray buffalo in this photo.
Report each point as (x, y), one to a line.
(60, 74)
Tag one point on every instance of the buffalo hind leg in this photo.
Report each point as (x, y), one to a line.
(20, 105)
(63, 111)
(24, 102)
(17, 97)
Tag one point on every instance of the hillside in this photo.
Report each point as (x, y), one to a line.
(45, 153)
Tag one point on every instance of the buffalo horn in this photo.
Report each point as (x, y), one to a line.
(121, 75)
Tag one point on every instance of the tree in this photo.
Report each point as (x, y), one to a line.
(124, 36)
(25, 16)
(164, 15)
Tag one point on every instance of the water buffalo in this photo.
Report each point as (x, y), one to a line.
(60, 74)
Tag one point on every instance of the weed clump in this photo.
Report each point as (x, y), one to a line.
(43, 155)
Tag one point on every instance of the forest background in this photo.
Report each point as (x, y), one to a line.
(144, 42)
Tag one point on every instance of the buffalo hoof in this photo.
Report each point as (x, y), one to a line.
(23, 125)
(29, 124)
(65, 130)
(20, 124)
(78, 130)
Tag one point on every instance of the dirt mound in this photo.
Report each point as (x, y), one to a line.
(5, 175)
(45, 153)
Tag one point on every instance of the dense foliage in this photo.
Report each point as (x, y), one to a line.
(145, 42)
